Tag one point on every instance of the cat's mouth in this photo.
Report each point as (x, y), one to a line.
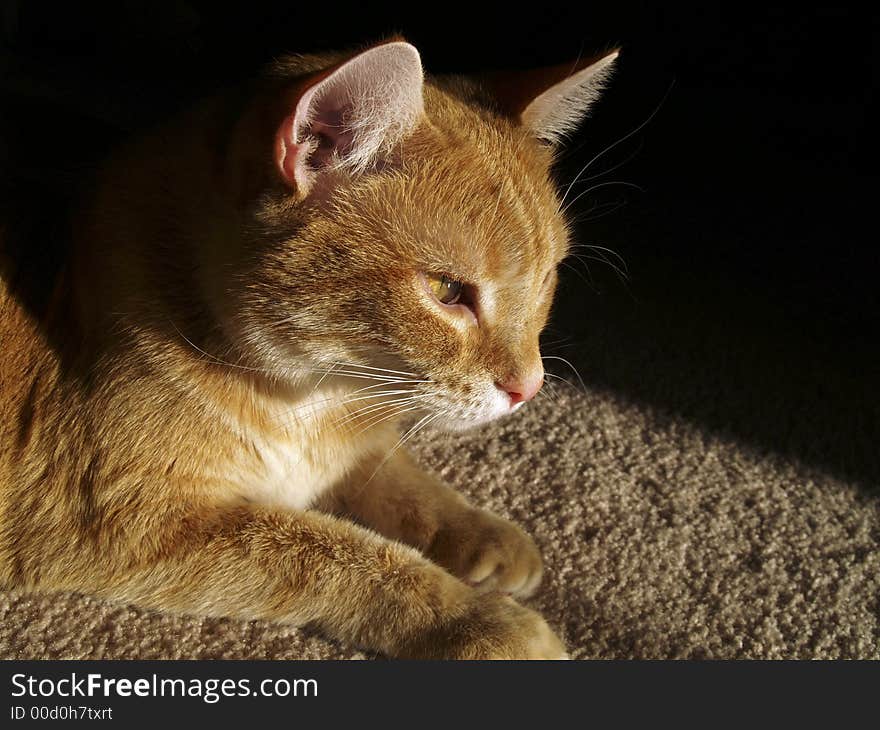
(457, 411)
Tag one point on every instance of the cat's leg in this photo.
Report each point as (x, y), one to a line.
(399, 500)
(298, 568)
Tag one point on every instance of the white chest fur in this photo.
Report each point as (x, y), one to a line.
(301, 455)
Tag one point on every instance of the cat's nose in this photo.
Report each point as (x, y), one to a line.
(522, 388)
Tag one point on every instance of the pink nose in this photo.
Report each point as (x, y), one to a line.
(522, 389)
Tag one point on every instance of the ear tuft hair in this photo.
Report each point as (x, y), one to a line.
(551, 101)
(557, 112)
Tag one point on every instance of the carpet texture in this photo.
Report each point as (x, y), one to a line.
(660, 540)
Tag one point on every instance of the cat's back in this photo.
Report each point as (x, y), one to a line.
(33, 314)
(23, 348)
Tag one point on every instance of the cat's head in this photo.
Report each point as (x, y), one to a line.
(411, 231)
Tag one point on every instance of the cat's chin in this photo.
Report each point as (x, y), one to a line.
(454, 424)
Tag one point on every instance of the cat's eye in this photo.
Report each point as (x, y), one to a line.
(445, 288)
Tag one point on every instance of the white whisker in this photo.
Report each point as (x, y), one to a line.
(403, 439)
(372, 407)
(589, 282)
(596, 187)
(399, 411)
(615, 144)
(371, 367)
(574, 369)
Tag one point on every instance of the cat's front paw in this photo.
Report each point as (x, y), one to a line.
(493, 626)
(488, 552)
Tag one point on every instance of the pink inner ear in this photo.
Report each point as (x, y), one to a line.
(346, 115)
(302, 147)
(286, 150)
(328, 127)
(292, 148)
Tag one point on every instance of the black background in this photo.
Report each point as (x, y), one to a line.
(751, 303)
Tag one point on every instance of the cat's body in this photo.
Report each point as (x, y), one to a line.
(206, 405)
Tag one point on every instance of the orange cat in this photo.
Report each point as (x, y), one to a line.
(207, 417)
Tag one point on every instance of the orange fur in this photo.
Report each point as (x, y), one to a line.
(176, 429)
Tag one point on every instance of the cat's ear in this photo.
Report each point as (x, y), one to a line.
(552, 101)
(347, 116)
